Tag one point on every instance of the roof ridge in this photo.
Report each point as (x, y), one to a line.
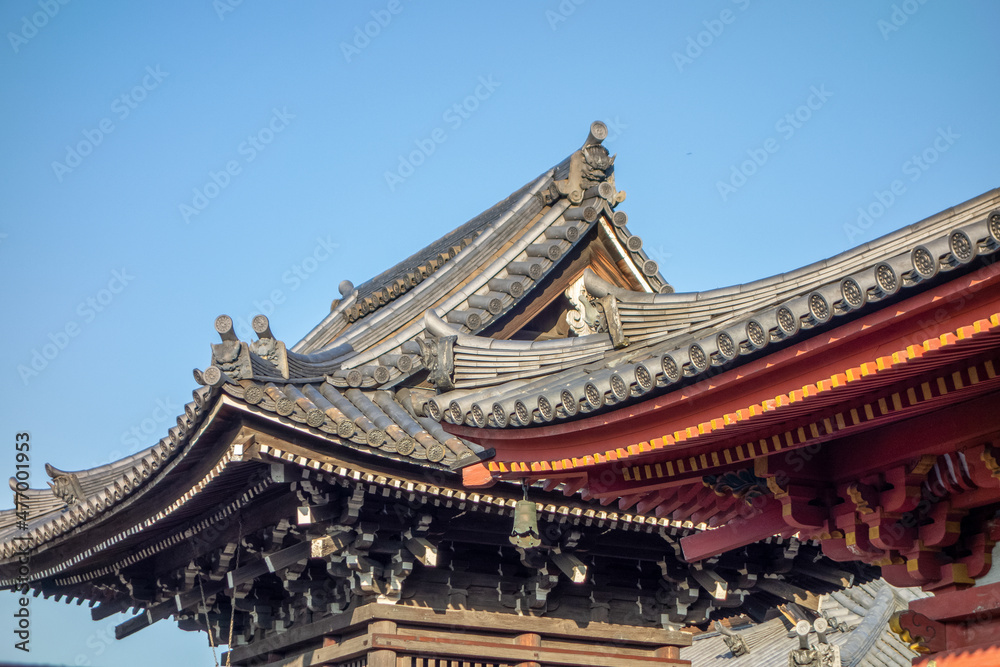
(662, 341)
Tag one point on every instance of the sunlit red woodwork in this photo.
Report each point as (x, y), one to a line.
(879, 438)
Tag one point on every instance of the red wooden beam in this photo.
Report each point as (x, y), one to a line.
(957, 627)
(964, 657)
(714, 507)
(684, 494)
(923, 316)
(886, 446)
(477, 476)
(969, 604)
(737, 533)
(649, 503)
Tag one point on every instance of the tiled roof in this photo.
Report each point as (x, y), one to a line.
(477, 273)
(371, 422)
(858, 617)
(808, 400)
(341, 381)
(231, 480)
(405, 274)
(668, 340)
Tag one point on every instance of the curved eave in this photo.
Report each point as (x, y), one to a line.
(784, 381)
(476, 283)
(398, 320)
(902, 240)
(105, 486)
(486, 274)
(425, 265)
(379, 426)
(230, 476)
(382, 431)
(668, 341)
(55, 536)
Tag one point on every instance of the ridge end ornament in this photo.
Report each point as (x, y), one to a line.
(65, 485)
(232, 357)
(589, 166)
(438, 357)
(583, 316)
(734, 641)
(274, 352)
(608, 307)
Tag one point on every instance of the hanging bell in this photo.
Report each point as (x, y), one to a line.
(525, 531)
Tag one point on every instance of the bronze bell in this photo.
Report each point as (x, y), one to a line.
(524, 534)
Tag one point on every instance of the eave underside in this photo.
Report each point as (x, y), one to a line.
(315, 536)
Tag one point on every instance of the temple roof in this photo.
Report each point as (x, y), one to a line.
(806, 406)
(364, 378)
(660, 342)
(857, 620)
(542, 312)
(358, 380)
(476, 274)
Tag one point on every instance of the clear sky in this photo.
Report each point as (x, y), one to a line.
(164, 163)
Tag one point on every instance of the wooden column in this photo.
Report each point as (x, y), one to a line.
(528, 639)
(382, 657)
(672, 652)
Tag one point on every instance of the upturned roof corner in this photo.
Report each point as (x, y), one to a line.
(533, 364)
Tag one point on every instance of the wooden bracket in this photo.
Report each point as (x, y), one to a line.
(920, 633)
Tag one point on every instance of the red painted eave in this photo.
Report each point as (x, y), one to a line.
(988, 656)
(941, 309)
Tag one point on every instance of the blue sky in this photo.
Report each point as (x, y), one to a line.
(164, 163)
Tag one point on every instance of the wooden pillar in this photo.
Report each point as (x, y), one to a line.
(528, 639)
(382, 657)
(672, 652)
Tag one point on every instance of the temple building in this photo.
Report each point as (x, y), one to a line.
(519, 446)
